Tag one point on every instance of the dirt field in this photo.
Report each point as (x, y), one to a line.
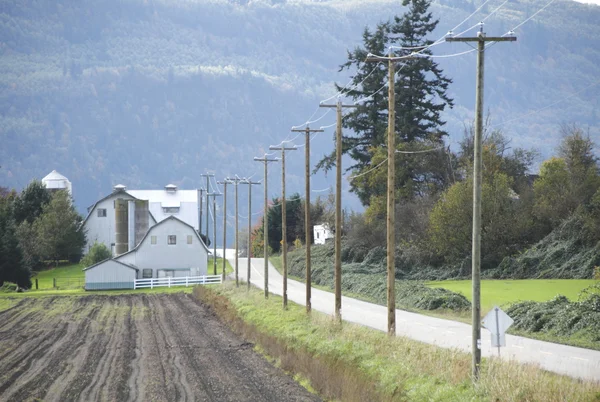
(131, 348)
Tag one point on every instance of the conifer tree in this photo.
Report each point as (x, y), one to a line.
(420, 99)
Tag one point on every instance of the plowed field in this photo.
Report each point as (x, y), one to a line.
(157, 347)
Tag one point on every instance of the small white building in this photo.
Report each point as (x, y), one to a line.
(110, 274)
(171, 248)
(322, 234)
(55, 181)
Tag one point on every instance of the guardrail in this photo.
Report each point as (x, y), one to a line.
(180, 281)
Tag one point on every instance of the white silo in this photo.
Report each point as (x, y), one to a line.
(55, 181)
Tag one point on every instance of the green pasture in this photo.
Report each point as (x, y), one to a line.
(503, 292)
(72, 274)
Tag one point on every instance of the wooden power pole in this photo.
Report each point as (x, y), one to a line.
(214, 196)
(338, 207)
(249, 183)
(236, 180)
(200, 202)
(208, 176)
(283, 148)
(391, 188)
(224, 183)
(481, 40)
(266, 161)
(307, 226)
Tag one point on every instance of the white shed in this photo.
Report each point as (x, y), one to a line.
(110, 274)
(322, 233)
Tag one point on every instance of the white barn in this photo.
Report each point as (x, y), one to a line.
(171, 248)
(151, 206)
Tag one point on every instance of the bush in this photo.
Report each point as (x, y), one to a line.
(369, 279)
(560, 316)
(99, 252)
(9, 287)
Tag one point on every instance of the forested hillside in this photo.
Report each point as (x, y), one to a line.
(149, 92)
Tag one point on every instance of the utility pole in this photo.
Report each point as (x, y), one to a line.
(224, 183)
(236, 180)
(249, 183)
(283, 148)
(391, 187)
(338, 207)
(307, 225)
(200, 200)
(266, 161)
(481, 40)
(208, 176)
(214, 196)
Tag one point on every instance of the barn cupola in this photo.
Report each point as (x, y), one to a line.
(171, 188)
(119, 187)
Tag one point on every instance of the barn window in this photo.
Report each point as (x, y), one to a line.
(101, 212)
(189, 239)
(172, 239)
(146, 273)
(171, 210)
(152, 239)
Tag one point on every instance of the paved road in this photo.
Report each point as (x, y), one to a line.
(568, 360)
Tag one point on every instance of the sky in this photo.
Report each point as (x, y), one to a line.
(597, 2)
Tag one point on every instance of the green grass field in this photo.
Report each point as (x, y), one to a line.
(503, 292)
(71, 274)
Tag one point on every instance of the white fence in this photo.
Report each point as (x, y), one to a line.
(181, 281)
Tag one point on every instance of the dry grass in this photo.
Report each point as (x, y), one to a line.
(353, 363)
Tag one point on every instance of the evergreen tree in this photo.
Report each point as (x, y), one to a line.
(28, 206)
(292, 207)
(58, 231)
(12, 268)
(420, 99)
(368, 120)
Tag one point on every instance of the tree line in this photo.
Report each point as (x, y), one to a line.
(37, 227)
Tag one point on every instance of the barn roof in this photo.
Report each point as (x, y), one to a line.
(111, 259)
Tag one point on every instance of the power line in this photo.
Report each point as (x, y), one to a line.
(326, 127)
(398, 152)
(534, 14)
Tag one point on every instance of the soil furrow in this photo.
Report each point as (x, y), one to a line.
(141, 347)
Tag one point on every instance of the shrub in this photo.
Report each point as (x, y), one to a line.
(560, 316)
(9, 287)
(99, 252)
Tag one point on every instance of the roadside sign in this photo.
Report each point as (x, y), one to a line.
(497, 322)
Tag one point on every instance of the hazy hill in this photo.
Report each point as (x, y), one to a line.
(150, 92)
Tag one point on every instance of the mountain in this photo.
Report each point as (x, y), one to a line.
(150, 92)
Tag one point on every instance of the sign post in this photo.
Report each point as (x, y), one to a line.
(497, 322)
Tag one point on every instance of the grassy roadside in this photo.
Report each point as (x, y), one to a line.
(353, 363)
